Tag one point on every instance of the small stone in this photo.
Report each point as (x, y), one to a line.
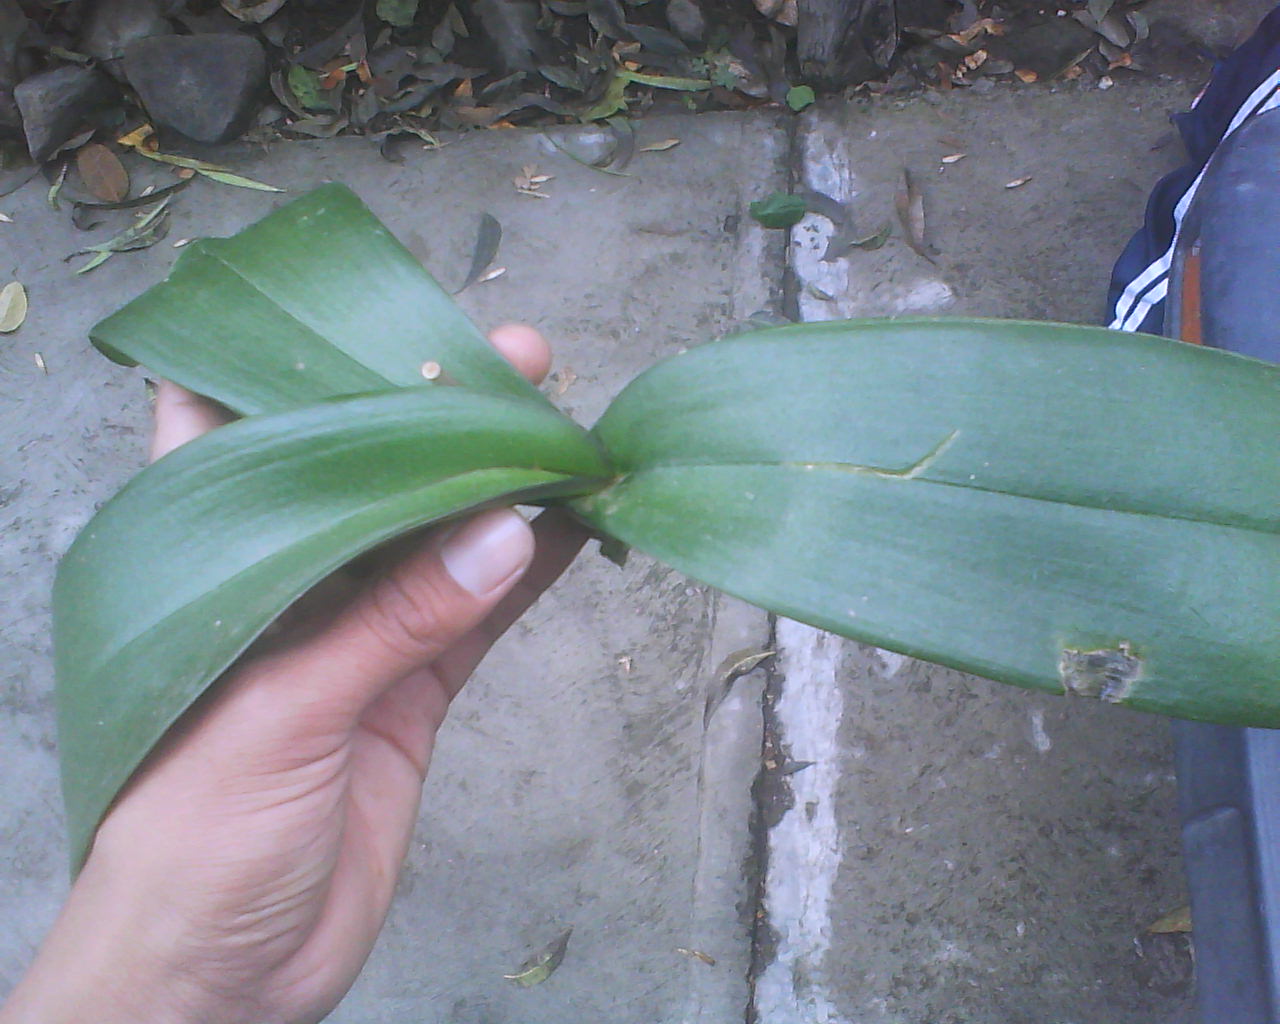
(114, 24)
(687, 20)
(589, 144)
(206, 87)
(56, 104)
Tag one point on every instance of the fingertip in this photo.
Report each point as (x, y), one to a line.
(523, 347)
(181, 416)
(489, 551)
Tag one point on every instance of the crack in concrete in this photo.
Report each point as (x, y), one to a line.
(771, 791)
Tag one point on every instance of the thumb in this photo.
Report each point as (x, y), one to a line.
(411, 614)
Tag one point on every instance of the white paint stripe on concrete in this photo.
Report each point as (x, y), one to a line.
(805, 846)
(854, 286)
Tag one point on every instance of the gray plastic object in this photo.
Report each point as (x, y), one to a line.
(1229, 778)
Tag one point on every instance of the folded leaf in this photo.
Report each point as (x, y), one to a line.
(179, 572)
(1063, 508)
(317, 299)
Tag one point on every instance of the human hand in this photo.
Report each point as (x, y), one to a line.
(246, 870)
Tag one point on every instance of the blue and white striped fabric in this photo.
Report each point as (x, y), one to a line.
(1244, 84)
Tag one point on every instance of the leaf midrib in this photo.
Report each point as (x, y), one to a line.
(312, 329)
(907, 476)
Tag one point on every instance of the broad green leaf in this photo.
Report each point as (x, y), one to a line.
(305, 86)
(779, 210)
(1062, 508)
(799, 97)
(317, 299)
(179, 572)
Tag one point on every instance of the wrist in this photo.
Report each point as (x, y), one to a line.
(102, 962)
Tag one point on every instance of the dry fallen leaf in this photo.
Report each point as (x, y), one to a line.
(954, 158)
(910, 205)
(1017, 182)
(660, 147)
(734, 665)
(564, 379)
(529, 182)
(980, 26)
(697, 954)
(1026, 75)
(488, 238)
(975, 60)
(137, 137)
(539, 967)
(13, 307)
(102, 173)
(1175, 921)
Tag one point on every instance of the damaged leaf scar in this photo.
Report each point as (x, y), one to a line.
(1108, 674)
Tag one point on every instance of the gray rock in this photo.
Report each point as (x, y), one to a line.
(686, 20)
(12, 24)
(56, 104)
(113, 24)
(511, 28)
(206, 87)
(845, 42)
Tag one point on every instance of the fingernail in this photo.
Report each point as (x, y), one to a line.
(488, 550)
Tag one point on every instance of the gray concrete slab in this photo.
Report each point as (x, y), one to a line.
(961, 851)
(574, 784)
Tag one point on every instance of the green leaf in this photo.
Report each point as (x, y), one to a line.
(146, 230)
(780, 210)
(612, 102)
(539, 967)
(317, 299)
(1062, 508)
(666, 81)
(799, 97)
(218, 173)
(179, 572)
(398, 12)
(305, 86)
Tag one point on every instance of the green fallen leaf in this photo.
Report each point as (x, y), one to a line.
(222, 174)
(56, 187)
(149, 228)
(799, 97)
(397, 12)
(666, 81)
(305, 86)
(612, 102)
(539, 967)
(780, 210)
